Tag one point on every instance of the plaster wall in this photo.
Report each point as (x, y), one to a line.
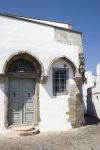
(95, 110)
(91, 93)
(89, 84)
(2, 95)
(50, 106)
(53, 108)
(39, 40)
(96, 94)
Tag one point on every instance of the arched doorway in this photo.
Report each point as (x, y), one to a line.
(23, 73)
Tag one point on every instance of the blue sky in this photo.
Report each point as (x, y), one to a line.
(84, 15)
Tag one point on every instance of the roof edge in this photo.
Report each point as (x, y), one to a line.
(23, 18)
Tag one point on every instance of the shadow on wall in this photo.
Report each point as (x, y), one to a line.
(85, 104)
(48, 87)
(90, 120)
(60, 63)
(91, 116)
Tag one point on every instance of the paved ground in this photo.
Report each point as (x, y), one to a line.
(84, 138)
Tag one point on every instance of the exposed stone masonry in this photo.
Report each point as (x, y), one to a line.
(69, 37)
(76, 113)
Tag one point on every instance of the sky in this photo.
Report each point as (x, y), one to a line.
(84, 15)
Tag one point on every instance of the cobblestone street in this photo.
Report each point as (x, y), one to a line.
(84, 138)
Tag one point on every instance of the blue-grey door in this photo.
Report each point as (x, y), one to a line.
(21, 104)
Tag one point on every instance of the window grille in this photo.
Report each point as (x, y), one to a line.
(60, 80)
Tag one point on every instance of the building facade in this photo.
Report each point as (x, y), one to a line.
(41, 74)
(91, 93)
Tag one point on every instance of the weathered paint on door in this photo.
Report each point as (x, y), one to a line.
(21, 108)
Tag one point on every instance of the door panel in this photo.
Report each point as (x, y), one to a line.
(14, 106)
(28, 100)
(28, 117)
(16, 118)
(21, 101)
(14, 84)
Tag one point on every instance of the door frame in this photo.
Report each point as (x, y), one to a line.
(37, 103)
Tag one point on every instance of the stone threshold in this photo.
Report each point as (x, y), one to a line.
(25, 130)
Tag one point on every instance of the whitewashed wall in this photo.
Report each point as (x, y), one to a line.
(2, 95)
(53, 108)
(19, 36)
(89, 84)
(96, 94)
(39, 40)
(92, 98)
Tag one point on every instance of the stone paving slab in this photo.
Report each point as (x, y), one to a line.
(84, 138)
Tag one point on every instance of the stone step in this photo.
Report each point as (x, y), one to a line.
(28, 133)
(25, 130)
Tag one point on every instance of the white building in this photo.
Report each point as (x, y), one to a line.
(41, 72)
(91, 93)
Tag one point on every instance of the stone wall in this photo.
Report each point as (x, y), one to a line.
(69, 37)
(76, 110)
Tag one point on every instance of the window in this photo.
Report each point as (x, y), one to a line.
(21, 65)
(60, 81)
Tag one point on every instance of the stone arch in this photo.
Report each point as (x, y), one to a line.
(66, 58)
(29, 57)
(22, 78)
(75, 101)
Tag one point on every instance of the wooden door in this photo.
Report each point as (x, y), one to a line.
(21, 108)
(28, 89)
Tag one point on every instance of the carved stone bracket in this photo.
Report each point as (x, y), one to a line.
(78, 78)
(44, 79)
(81, 66)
